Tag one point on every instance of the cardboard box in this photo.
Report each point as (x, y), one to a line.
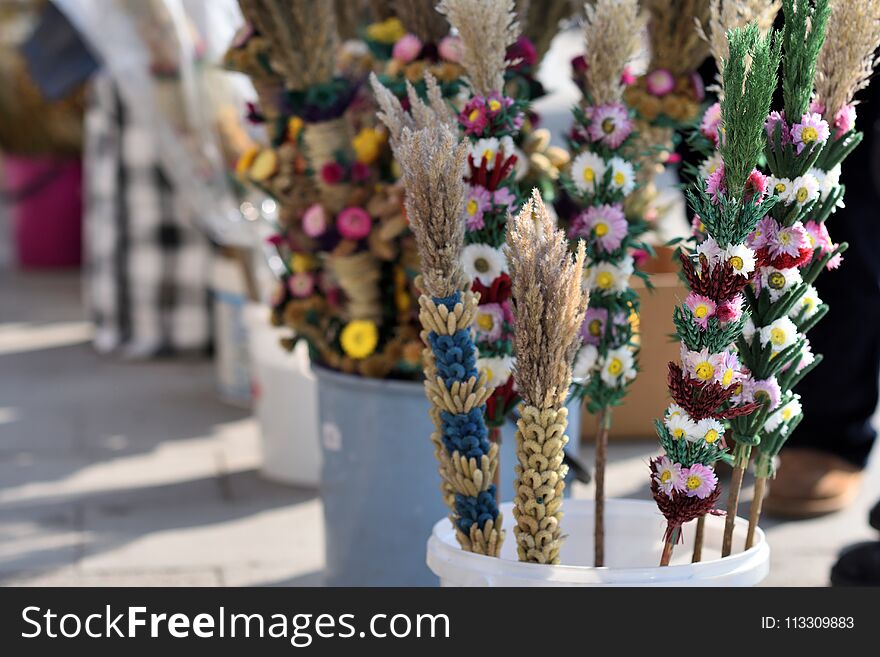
(648, 398)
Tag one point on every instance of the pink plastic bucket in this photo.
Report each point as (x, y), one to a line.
(46, 209)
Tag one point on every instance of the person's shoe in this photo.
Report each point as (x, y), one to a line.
(811, 483)
(858, 565)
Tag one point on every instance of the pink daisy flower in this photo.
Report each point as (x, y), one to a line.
(610, 124)
(668, 475)
(606, 224)
(450, 49)
(812, 129)
(789, 241)
(730, 310)
(479, 199)
(764, 233)
(702, 308)
(314, 220)
(301, 285)
(766, 390)
(715, 183)
(407, 48)
(504, 198)
(728, 371)
(593, 328)
(354, 223)
(770, 124)
(844, 120)
(473, 117)
(495, 103)
(699, 481)
(711, 123)
(659, 82)
(489, 321)
(756, 186)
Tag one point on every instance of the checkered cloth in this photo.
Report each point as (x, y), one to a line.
(147, 264)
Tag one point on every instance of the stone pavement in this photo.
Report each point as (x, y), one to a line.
(133, 473)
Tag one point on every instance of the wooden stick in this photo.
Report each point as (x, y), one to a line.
(755, 512)
(666, 557)
(698, 539)
(601, 458)
(742, 454)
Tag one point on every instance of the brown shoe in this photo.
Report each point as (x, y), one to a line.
(811, 483)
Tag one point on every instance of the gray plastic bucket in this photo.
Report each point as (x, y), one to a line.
(380, 485)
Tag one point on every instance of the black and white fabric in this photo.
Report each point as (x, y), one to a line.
(147, 263)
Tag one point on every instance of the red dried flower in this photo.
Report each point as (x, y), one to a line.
(702, 400)
(680, 509)
(498, 292)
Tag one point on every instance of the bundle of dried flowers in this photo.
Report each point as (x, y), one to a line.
(549, 301)
(705, 386)
(349, 256)
(433, 160)
(601, 179)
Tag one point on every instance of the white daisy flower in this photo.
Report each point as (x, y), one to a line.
(782, 187)
(709, 165)
(587, 169)
(618, 367)
(710, 430)
(607, 277)
(488, 147)
(709, 248)
(772, 422)
(623, 176)
(681, 427)
(483, 263)
(822, 178)
(779, 281)
(585, 363)
(674, 409)
(804, 189)
(780, 334)
(741, 258)
(791, 410)
(748, 331)
(497, 369)
(809, 303)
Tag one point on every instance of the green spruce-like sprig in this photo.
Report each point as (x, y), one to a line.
(749, 82)
(802, 37)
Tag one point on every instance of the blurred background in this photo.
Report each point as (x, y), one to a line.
(153, 431)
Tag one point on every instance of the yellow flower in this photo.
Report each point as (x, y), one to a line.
(387, 31)
(294, 126)
(367, 144)
(359, 338)
(246, 160)
(302, 262)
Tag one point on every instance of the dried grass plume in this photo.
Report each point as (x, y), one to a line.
(432, 160)
(436, 111)
(550, 303)
(486, 28)
(612, 34)
(847, 59)
(726, 15)
(675, 43)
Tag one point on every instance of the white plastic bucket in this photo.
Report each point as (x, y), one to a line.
(634, 541)
(285, 403)
(231, 361)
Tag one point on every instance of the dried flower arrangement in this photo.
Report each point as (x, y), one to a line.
(433, 161)
(601, 178)
(490, 122)
(350, 258)
(793, 245)
(549, 305)
(705, 386)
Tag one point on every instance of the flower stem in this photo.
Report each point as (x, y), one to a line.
(755, 512)
(698, 539)
(741, 462)
(666, 557)
(601, 458)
